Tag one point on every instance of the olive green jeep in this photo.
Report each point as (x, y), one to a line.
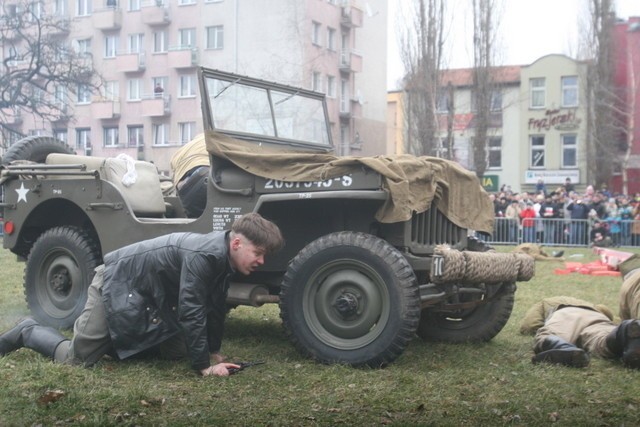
(370, 242)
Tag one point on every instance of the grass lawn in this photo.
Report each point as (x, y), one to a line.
(430, 384)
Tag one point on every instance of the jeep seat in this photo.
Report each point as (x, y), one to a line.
(144, 196)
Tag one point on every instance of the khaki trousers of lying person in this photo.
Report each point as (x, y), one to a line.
(584, 328)
(630, 296)
(91, 339)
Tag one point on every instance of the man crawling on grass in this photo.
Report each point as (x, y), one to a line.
(164, 296)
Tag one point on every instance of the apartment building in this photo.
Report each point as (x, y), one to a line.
(148, 53)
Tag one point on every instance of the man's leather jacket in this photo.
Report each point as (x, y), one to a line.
(161, 287)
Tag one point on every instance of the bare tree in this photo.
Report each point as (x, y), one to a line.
(483, 91)
(604, 127)
(421, 46)
(39, 69)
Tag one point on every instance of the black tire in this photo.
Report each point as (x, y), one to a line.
(35, 149)
(478, 324)
(350, 298)
(58, 273)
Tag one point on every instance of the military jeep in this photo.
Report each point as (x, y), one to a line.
(356, 280)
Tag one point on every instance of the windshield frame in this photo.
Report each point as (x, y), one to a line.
(273, 90)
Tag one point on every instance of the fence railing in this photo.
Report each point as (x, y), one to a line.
(562, 232)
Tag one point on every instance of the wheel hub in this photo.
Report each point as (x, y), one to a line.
(346, 304)
(61, 281)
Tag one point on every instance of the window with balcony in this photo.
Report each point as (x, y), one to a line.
(110, 136)
(187, 87)
(187, 37)
(135, 136)
(110, 46)
(134, 90)
(569, 91)
(83, 94)
(537, 92)
(569, 151)
(215, 37)
(537, 151)
(160, 41)
(60, 8)
(135, 43)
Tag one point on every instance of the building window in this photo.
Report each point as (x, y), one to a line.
(133, 90)
(215, 37)
(331, 86)
(569, 151)
(61, 135)
(110, 46)
(315, 33)
(187, 37)
(344, 96)
(110, 135)
(83, 47)
(60, 8)
(537, 92)
(187, 87)
(136, 43)
(83, 7)
(111, 90)
(442, 101)
(160, 133)
(83, 94)
(316, 81)
(570, 91)
(159, 41)
(496, 100)
(134, 5)
(83, 138)
(494, 160)
(135, 136)
(34, 11)
(187, 131)
(331, 39)
(537, 152)
(60, 97)
(186, 2)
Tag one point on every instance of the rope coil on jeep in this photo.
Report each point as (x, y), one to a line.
(449, 265)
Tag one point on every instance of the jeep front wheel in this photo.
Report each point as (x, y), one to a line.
(478, 320)
(58, 273)
(350, 298)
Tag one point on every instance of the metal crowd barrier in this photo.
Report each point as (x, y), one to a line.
(561, 232)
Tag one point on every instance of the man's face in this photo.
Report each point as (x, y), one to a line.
(245, 256)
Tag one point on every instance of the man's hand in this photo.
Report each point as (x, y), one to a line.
(220, 370)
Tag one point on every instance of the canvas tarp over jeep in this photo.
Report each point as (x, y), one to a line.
(377, 249)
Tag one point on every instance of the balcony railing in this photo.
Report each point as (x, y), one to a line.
(106, 19)
(183, 56)
(155, 14)
(131, 62)
(105, 109)
(156, 105)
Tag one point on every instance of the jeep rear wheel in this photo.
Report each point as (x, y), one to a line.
(477, 323)
(350, 298)
(58, 273)
(35, 149)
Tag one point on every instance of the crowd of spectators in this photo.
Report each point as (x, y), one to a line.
(564, 216)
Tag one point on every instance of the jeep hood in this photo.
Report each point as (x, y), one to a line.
(413, 183)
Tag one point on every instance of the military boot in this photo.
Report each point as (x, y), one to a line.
(30, 334)
(558, 351)
(12, 339)
(624, 342)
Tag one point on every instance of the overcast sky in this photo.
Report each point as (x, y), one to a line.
(529, 29)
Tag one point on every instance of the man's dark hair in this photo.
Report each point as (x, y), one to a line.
(261, 232)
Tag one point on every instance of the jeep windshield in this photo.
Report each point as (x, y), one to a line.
(246, 107)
